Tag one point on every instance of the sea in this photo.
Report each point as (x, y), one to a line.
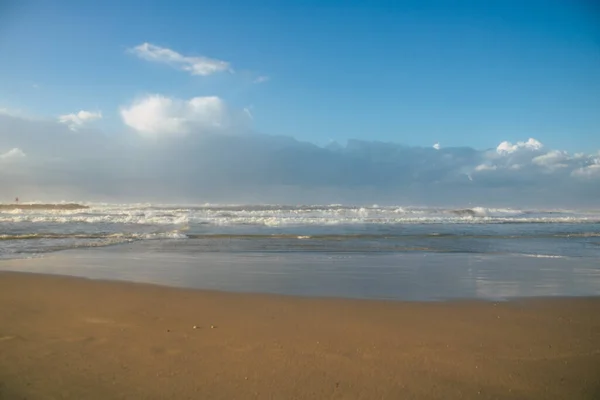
(381, 252)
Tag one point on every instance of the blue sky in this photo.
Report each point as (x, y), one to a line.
(464, 73)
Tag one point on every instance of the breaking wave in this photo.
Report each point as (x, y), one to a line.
(306, 227)
(113, 236)
(542, 256)
(280, 215)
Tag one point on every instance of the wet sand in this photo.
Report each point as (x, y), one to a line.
(73, 338)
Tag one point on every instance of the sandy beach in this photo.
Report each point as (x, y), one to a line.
(73, 338)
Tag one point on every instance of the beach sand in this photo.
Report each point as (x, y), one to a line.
(72, 338)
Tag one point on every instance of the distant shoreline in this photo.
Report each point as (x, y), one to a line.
(66, 206)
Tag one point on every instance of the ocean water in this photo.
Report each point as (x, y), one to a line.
(312, 228)
(375, 252)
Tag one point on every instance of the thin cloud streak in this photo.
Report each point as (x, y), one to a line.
(199, 65)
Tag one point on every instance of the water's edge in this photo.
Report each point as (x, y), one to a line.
(395, 276)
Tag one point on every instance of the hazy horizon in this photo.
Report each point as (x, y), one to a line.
(232, 167)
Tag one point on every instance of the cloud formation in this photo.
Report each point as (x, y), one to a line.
(202, 66)
(158, 116)
(590, 171)
(509, 148)
(553, 159)
(531, 159)
(205, 165)
(76, 121)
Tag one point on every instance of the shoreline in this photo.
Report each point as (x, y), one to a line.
(413, 277)
(275, 295)
(70, 337)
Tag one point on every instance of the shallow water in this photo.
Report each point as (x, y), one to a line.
(407, 253)
(398, 276)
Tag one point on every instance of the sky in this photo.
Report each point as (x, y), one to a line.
(491, 85)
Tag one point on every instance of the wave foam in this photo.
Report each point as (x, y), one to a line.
(274, 216)
(542, 256)
(175, 234)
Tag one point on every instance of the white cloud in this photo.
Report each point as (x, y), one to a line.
(518, 156)
(12, 154)
(76, 121)
(157, 115)
(509, 148)
(202, 66)
(261, 79)
(530, 160)
(552, 159)
(437, 146)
